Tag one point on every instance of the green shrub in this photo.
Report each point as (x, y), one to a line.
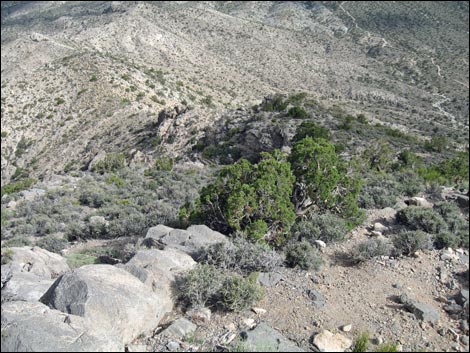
(421, 218)
(369, 249)
(310, 129)
(245, 193)
(116, 180)
(79, 259)
(436, 144)
(238, 293)
(93, 78)
(322, 180)
(347, 122)
(200, 287)
(52, 244)
(241, 256)
(457, 225)
(362, 342)
(17, 186)
(274, 104)
(408, 242)
(304, 255)
(387, 347)
(7, 255)
(297, 113)
(111, 163)
(326, 227)
(297, 98)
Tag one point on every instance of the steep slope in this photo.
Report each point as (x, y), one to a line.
(83, 77)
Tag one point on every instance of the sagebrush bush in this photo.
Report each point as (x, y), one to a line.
(457, 226)
(242, 256)
(238, 293)
(421, 218)
(408, 242)
(200, 287)
(52, 244)
(207, 286)
(327, 227)
(304, 255)
(369, 249)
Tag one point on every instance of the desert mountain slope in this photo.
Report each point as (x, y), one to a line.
(83, 77)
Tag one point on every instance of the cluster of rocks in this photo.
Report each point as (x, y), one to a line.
(48, 307)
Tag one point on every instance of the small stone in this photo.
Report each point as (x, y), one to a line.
(320, 243)
(464, 340)
(378, 340)
(347, 328)
(200, 315)
(460, 251)
(379, 227)
(227, 338)
(179, 329)
(173, 346)
(259, 311)
(442, 299)
(375, 233)
(326, 341)
(250, 323)
(397, 285)
(399, 348)
(231, 327)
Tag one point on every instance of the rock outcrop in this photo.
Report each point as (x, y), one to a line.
(33, 327)
(109, 299)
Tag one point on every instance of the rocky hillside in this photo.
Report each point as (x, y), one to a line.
(69, 67)
(234, 176)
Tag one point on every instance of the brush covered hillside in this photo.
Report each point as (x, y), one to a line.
(234, 176)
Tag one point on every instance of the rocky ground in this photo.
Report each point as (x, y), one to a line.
(366, 298)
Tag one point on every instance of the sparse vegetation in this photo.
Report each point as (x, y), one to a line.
(303, 255)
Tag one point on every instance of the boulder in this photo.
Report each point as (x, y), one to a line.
(109, 299)
(265, 339)
(158, 269)
(422, 311)
(190, 241)
(33, 327)
(37, 261)
(326, 341)
(23, 286)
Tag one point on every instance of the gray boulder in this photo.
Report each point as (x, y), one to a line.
(23, 286)
(37, 261)
(190, 241)
(109, 299)
(265, 339)
(422, 311)
(158, 269)
(33, 327)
